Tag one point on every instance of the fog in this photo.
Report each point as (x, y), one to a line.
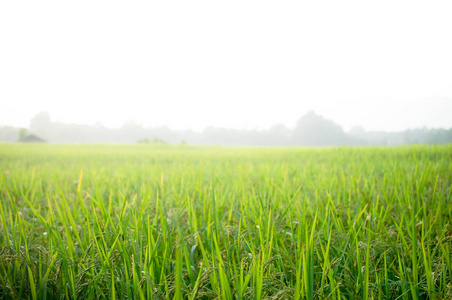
(243, 66)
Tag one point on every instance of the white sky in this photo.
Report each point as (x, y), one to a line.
(385, 65)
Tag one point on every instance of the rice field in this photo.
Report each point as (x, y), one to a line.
(185, 222)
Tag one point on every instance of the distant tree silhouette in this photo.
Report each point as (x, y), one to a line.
(315, 130)
(22, 133)
(311, 130)
(42, 125)
(8, 134)
(439, 136)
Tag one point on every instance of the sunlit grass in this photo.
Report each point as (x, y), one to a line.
(164, 222)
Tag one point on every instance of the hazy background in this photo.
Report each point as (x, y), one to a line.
(385, 65)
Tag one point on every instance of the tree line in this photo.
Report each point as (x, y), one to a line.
(310, 130)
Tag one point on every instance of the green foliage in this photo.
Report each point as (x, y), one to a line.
(22, 133)
(184, 222)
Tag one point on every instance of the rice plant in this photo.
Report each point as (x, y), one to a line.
(185, 222)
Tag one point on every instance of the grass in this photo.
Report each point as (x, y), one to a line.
(167, 222)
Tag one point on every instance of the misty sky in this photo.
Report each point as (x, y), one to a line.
(385, 65)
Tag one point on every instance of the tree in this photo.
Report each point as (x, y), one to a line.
(314, 130)
(22, 133)
(42, 125)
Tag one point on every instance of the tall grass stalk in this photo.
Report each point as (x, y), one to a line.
(183, 222)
